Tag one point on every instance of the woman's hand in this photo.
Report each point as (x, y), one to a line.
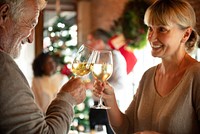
(103, 89)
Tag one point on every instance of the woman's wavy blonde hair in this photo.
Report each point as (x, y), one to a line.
(163, 12)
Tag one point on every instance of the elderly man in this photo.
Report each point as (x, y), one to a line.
(18, 110)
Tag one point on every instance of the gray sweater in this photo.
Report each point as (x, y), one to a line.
(176, 113)
(19, 114)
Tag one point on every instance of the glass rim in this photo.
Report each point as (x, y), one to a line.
(93, 49)
(103, 50)
(88, 46)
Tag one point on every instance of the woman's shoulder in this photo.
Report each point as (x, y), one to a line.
(195, 67)
(149, 73)
(150, 70)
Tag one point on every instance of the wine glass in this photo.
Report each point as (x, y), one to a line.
(102, 70)
(83, 61)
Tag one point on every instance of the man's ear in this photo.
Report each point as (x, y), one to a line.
(4, 12)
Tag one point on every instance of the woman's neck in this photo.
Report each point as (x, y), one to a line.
(172, 66)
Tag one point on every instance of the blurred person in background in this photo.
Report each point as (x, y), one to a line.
(98, 40)
(46, 81)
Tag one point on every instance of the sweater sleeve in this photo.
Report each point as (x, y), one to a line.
(20, 114)
(129, 125)
(196, 91)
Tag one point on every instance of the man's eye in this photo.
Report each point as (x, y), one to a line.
(34, 24)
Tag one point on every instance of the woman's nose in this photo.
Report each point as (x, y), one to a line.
(152, 36)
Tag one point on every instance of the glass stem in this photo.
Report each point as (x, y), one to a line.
(100, 101)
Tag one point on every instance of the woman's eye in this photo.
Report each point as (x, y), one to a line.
(150, 29)
(162, 29)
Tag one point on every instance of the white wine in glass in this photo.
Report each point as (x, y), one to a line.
(83, 61)
(80, 69)
(102, 69)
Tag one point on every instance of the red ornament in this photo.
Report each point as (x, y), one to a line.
(118, 42)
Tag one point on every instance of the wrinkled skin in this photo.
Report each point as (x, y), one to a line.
(75, 87)
(15, 33)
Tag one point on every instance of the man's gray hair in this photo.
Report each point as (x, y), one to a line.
(17, 6)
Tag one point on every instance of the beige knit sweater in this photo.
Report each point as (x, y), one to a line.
(176, 113)
(19, 114)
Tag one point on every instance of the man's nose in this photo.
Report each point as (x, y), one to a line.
(31, 36)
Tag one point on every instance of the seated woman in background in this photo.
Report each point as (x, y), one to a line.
(46, 81)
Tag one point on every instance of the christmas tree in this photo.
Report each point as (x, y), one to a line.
(63, 51)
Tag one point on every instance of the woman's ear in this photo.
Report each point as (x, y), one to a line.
(187, 34)
(4, 12)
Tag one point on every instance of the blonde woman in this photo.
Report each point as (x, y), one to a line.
(168, 97)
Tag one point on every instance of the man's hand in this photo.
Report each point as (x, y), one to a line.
(75, 87)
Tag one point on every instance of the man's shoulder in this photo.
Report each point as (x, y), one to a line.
(5, 58)
(9, 69)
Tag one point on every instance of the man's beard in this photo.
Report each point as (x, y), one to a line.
(15, 51)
